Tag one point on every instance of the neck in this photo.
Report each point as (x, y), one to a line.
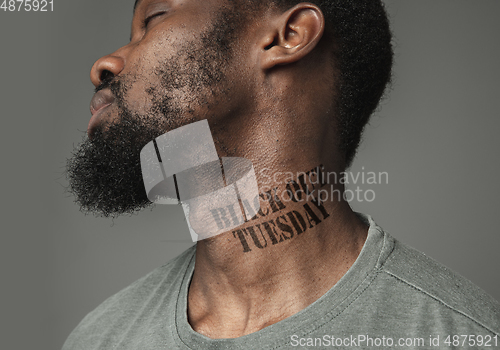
(278, 262)
(293, 251)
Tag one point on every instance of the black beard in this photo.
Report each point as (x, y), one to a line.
(105, 173)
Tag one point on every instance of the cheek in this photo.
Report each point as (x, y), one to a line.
(169, 77)
(147, 95)
(140, 79)
(136, 98)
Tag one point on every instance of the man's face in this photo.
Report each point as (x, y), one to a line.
(173, 72)
(176, 62)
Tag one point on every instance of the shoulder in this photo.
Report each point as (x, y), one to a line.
(425, 278)
(151, 293)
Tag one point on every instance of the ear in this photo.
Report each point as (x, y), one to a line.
(294, 34)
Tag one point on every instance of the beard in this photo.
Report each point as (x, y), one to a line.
(104, 172)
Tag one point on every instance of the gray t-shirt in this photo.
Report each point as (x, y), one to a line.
(392, 297)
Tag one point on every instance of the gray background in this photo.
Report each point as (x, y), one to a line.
(436, 135)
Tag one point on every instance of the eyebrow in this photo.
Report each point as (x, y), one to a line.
(136, 4)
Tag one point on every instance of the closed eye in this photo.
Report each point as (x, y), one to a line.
(150, 18)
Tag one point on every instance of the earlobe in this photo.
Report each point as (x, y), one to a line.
(296, 33)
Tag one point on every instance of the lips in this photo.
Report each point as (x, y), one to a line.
(98, 104)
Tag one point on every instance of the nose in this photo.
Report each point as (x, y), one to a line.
(106, 67)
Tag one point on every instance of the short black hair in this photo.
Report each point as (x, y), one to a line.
(363, 57)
